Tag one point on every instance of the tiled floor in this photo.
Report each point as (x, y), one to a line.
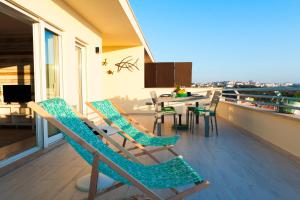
(237, 165)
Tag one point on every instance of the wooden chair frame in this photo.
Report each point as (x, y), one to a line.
(99, 157)
(129, 138)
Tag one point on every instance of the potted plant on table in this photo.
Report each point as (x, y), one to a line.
(180, 92)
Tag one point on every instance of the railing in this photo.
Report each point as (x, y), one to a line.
(269, 97)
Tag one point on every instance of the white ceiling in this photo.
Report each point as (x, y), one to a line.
(110, 19)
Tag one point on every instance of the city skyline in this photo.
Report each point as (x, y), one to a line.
(254, 81)
(244, 84)
(232, 40)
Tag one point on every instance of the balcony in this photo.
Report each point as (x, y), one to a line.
(238, 165)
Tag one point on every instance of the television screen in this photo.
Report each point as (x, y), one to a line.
(16, 93)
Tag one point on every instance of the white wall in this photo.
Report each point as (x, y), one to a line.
(72, 26)
(124, 83)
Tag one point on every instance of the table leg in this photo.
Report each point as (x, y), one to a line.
(197, 116)
(162, 117)
(180, 115)
(206, 125)
(187, 117)
(158, 128)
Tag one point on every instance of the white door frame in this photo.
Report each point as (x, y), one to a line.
(82, 45)
(43, 26)
(37, 80)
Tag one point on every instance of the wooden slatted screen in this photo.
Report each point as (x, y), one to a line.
(168, 74)
(183, 73)
(165, 74)
(150, 75)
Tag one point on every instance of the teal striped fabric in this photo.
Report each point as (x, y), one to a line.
(173, 173)
(111, 113)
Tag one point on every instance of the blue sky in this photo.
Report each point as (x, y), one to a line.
(225, 39)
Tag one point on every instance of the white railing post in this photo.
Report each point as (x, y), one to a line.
(237, 96)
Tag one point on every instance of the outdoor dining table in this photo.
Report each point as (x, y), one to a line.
(197, 99)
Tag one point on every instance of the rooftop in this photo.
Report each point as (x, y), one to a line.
(237, 165)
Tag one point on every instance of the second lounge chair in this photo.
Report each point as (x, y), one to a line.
(140, 136)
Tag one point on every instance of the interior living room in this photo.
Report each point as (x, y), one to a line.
(17, 124)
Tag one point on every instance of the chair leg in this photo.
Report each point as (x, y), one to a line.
(155, 123)
(212, 124)
(124, 142)
(216, 124)
(94, 179)
(175, 124)
(174, 119)
(193, 123)
(187, 117)
(190, 122)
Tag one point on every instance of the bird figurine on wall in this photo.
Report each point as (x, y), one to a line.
(104, 62)
(109, 72)
(126, 63)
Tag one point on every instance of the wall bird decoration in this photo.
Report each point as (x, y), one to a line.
(110, 72)
(104, 62)
(127, 63)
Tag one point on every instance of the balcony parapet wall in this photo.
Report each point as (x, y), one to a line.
(281, 130)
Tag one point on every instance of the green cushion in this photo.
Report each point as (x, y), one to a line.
(168, 109)
(199, 109)
(191, 108)
(202, 111)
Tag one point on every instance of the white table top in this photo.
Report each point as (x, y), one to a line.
(109, 130)
(181, 99)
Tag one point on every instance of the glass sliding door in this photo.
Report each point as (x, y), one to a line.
(17, 87)
(52, 71)
(52, 64)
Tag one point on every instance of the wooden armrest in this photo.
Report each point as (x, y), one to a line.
(140, 127)
(132, 121)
